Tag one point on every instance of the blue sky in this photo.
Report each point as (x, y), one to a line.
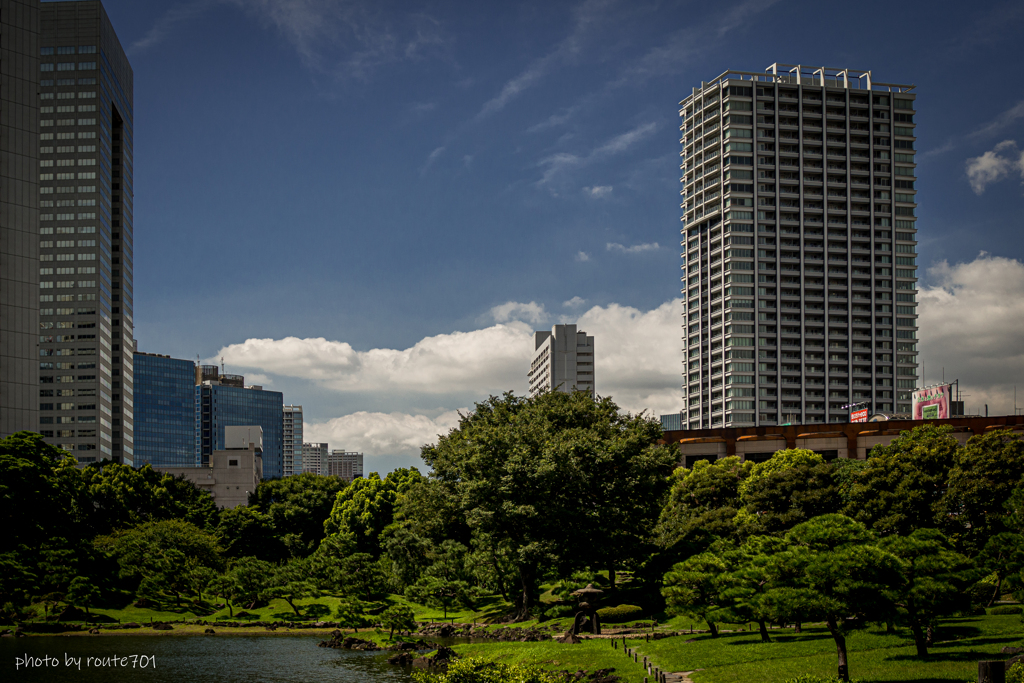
(418, 185)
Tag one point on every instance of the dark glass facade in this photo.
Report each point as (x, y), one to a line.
(164, 411)
(86, 234)
(219, 406)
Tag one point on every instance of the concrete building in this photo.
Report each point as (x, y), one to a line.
(165, 411)
(314, 455)
(223, 400)
(19, 216)
(799, 246)
(848, 440)
(232, 472)
(345, 464)
(292, 440)
(86, 307)
(563, 360)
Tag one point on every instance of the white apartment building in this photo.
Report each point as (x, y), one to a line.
(563, 360)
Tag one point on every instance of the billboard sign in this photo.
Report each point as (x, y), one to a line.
(932, 403)
(860, 415)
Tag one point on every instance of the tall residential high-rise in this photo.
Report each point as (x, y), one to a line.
(19, 215)
(224, 400)
(165, 406)
(345, 464)
(799, 241)
(563, 360)
(314, 455)
(292, 440)
(86, 232)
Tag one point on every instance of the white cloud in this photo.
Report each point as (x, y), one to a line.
(1002, 121)
(167, 22)
(562, 162)
(971, 325)
(347, 39)
(514, 310)
(381, 433)
(482, 362)
(582, 256)
(635, 249)
(992, 166)
(574, 302)
(598, 191)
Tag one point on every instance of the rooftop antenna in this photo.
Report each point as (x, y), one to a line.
(222, 365)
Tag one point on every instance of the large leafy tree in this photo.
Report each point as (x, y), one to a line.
(779, 499)
(244, 531)
(749, 577)
(292, 581)
(901, 487)
(832, 571)
(366, 507)
(702, 504)
(931, 581)
(297, 507)
(161, 554)
(984, 475)
(559, 481)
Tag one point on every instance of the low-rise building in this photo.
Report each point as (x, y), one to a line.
(314, 455)
(233, 473)
(846, 440)
(345, 464)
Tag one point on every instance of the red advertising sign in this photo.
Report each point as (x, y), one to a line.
(859, 415)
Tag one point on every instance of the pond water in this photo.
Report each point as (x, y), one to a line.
(192, 659)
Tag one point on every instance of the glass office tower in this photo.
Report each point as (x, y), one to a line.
(19, 216)
(164, 411)
(219, 405)
(799, 247)
(86, 234)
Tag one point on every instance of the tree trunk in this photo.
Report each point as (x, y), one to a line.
(712, 627)
(765, 638)
(930, 636)
(843, 670)
(998, 591)
(611, 576)
(231, 610)
(798, 628)
(890, 627)
(292, 605)
(501, 581)
(524, 599)
(919, 640)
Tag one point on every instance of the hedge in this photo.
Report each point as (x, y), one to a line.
(620, 614)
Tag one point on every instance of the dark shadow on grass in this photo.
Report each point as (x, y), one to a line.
(969, 656)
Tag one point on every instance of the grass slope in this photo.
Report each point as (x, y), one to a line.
(873, 655)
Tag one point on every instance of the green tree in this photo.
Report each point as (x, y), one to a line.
(293, 581)
(407, 554)
(163, 551)
(984, 475)
(362, 575)
(244, 531)
(694, 587)
(398, 617)
(224, 586)
(297, 507)
(1002, 556)
(931, 581)
(781, 461)
(901, 487)
(82, 593)
(34, 506)
(560, 481)
(749, 578)
(199, 577)
(836, 574)
(777, 500)
(367, 506)
(251, 578)
(350, 613)
(702, 504)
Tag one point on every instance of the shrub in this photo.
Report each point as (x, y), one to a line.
(480, 671)
(1006, 609)
(559, 611)
(1015, 674)
(620, 614)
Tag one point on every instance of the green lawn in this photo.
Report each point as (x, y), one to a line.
(873, 655)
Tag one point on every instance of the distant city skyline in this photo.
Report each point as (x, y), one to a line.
(364, 241)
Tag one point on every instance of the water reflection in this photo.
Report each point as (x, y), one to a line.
(197, 659)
